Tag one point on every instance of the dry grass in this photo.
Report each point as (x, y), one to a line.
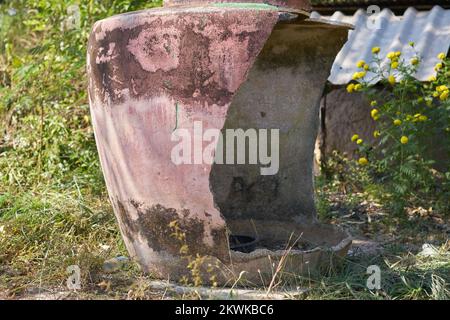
(41, 233)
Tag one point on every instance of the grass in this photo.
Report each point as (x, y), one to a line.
(403, 276)
(47, 228)
(42, 232)
(54, 210)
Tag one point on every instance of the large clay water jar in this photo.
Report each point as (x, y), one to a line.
(227, 65)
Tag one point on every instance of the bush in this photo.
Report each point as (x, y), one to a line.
(44, 115)
(53, 208)
(409, 117)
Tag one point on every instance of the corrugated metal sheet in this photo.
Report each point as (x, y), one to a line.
(430, 30)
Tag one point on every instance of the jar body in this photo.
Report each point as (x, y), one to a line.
(161, 77)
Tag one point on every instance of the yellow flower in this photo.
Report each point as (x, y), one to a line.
(411, 43)
(366, 67)
(441, 56)
(374, 114)
(416, 117)
(414, 61)
(359, 75)
(404, 140)
(391, 55)
(444, 95)
(397, 122)
(397, 54)
(441, 88)
(360, 63)
(423, 118)
(359, 141)
(363, 161)
(438, 66)
(391, 79)
(373, 103)
(355, 137)
(394, 65)
(358, 87)
(435, 94)
(432, 78)
(376, 134)
(350, 88)
(375, 50)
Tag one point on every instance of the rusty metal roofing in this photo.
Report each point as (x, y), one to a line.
(429, 30)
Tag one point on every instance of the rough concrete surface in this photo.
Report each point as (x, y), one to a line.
(154, 71)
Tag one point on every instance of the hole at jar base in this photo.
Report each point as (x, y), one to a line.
(285, 245)
(242, 243)
(247, 244)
